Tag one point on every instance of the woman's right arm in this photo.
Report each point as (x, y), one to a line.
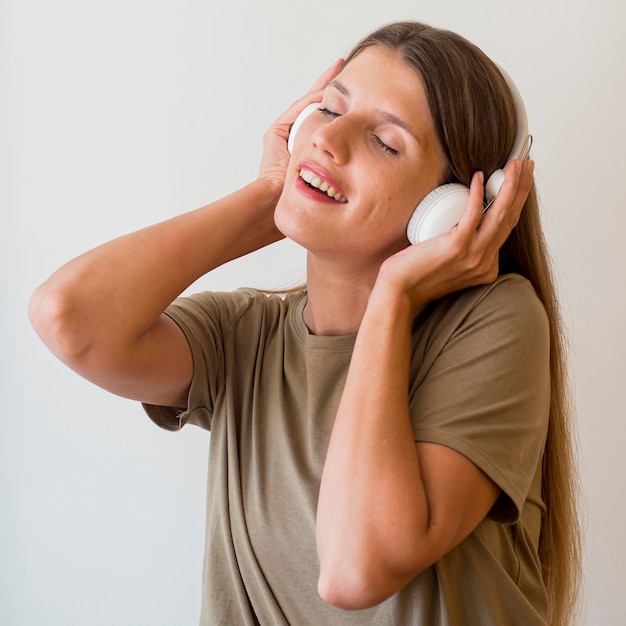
(102, 313)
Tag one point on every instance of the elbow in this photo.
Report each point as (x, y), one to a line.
(357, 578)
(347, 593)
(53, 316)
(358, 588)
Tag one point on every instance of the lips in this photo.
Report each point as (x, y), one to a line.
(321, 182)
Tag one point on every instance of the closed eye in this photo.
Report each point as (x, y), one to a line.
(377, 140)
(328, 112)
(381, 144)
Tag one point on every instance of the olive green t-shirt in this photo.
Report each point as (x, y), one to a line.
(268, 391)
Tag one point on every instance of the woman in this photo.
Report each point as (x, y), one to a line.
(390, 445)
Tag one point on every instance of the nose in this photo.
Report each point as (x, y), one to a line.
(333, 138)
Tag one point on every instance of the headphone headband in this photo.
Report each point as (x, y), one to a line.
(521, 118)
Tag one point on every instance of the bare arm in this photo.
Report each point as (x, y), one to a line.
(102, 313)
(388, 507)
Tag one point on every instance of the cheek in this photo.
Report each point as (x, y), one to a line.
(292, 220)
(400, 202)
(385, 227)
(281, 211)
(417, 190)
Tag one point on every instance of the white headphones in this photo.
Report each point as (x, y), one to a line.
(440, 210)
(308, 109)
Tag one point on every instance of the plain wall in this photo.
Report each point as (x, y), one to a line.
(115, 115)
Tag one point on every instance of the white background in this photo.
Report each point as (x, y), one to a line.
(117, 114)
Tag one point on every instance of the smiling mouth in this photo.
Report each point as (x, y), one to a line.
(316, 182)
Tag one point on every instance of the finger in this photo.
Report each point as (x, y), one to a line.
(525, 183)
(504, 211)
(471, 217)
(524, 178)
(328, 75)
(314, 94)
(510, 201)
(282, 126)
(524, 175)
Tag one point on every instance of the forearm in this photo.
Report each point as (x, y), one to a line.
(372, 509)
(116, 292)
(388, 507)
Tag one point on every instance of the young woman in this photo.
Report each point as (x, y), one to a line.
(391, 444)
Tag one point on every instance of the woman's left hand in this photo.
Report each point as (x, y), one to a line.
(467, 255)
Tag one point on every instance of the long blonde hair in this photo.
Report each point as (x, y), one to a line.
(474, 114)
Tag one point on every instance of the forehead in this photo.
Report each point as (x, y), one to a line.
(384, 72)
(381, 81)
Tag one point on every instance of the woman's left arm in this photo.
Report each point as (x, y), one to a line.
(390, 507)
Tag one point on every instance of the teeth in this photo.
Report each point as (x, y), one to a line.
(316, 181)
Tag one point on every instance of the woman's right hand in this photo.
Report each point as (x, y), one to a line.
(275, 157)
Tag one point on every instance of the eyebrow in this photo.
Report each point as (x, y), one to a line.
(385, 115)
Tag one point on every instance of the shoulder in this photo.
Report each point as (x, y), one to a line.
(244, 316)
(487, 343)
(510, 292)
(510, 310)
(508, 304)
(227, 308)
(228, 303)
(481, 382)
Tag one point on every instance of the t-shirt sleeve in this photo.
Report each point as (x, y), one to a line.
(206, 320)
(482, 385)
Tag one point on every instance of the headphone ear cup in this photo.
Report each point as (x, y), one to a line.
(438, 213)
(296, 125)
(493, 184)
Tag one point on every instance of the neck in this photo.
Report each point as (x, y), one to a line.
(337, 299)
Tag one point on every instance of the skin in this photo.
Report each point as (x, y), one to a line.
(385, 512)
(348, 242)
(388, 507)
(383, 168)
